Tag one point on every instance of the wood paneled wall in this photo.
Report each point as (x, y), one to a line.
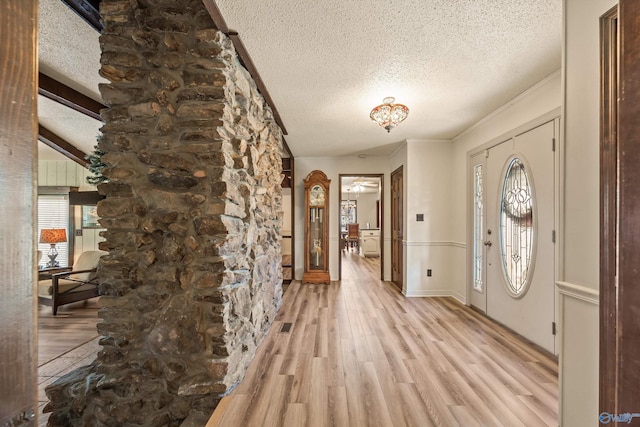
(66, 173)
(62, 173)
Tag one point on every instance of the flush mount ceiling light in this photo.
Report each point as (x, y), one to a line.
(389, 115)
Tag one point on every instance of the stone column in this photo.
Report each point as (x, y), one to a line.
(193, 280)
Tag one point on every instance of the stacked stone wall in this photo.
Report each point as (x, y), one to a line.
(192, 213)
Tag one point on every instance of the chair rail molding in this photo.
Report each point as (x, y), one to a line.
(579, 292)
(436, 243)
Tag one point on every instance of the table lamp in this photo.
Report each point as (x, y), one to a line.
(53, 236)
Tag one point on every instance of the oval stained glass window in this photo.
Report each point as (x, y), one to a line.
(517, 227)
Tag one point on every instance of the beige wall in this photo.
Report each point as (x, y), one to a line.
(428, 243)
(366, 208)
(579, 329)
(333, 167)
(582, 74)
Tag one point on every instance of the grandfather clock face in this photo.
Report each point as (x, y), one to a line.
(316, 196)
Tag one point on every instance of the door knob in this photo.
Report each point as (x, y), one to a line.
(488, 243)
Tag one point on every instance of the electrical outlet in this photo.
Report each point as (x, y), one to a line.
(79, 233)
(429, 273)
(419, 217)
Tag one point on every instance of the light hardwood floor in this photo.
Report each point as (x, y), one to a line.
(65, 342)
(361, 354)
(358, 353)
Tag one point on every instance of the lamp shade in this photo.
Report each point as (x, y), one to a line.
(53, 235)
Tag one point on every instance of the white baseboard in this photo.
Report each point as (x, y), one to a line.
(435, 293)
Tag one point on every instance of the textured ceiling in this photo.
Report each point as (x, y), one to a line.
(327, 63)
(68, 51)
(452, 62)
(68, 48)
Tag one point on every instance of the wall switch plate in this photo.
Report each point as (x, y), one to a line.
(429, 272)
(419, 217)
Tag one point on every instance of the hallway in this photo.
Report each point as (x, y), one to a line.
(360, 353)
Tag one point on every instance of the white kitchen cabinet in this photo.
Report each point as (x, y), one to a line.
(370, 242)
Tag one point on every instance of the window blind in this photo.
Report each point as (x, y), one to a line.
(53, 212)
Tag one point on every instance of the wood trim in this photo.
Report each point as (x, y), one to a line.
(89, 10)
(397, 218)
(628, 295)
(71, 238)
(63, 94)
(608, 208)
(381, 226)
(216, 16)
(62, 146)
(85, 198)
(293, 219)
(55, 189)
(287, 181)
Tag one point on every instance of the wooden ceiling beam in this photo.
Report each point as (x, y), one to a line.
(89, 10)
(61, 145)
(59, 92)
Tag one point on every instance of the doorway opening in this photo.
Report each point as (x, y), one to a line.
(361, 219)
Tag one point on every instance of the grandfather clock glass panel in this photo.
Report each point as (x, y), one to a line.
(316, 186)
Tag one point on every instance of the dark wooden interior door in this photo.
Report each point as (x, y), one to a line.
(397, 230)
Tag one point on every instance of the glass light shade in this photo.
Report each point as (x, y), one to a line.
(389, 115)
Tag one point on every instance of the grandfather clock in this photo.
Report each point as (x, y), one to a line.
(316, 228)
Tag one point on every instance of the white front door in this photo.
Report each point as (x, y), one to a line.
(520, 250)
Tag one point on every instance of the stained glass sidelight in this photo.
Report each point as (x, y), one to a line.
(516, 226)
(478, 232)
